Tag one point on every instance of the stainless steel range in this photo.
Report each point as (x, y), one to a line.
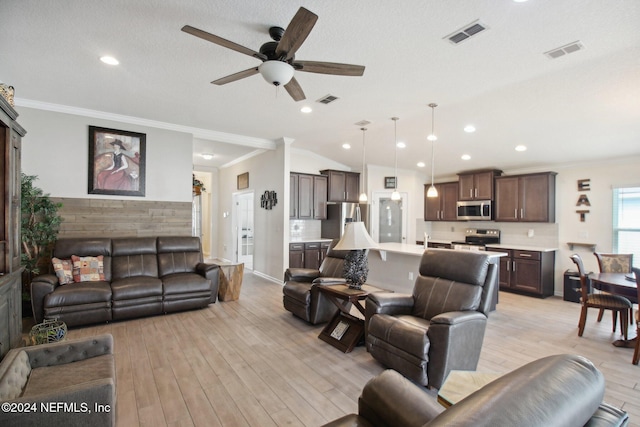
(476, 239)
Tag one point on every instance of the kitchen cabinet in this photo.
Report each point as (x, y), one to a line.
(527, 272)
(439, 245)
(443, 207)
(477, 185)
(308, 196)
(526, 198)
(342, 186)
(308, 254)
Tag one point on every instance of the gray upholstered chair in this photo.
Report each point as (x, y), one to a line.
(561, 390)
(441, 325)
(78, 373)
(300, 291)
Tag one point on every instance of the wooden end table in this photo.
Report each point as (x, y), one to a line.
(344, 331)
(230, 280)
(460, 384)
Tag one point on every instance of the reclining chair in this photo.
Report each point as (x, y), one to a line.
(440, 326)
(300, 292)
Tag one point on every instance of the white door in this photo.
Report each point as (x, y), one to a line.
(244, 228)
(389, 218)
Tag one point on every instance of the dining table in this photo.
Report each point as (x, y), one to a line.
(623, 284)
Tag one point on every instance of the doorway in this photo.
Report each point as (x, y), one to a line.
(243, 203)
(389, 218)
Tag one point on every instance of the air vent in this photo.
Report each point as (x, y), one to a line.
(564, 50)
(327, 99)
(466, 32)
(362, 123)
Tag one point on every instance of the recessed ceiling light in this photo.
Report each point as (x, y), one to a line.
(206, 156)
(306, 109)
(401, 145)
(109, 60)
(421, 164)
(519, 1)
(469, 129)
(465, 157)
(521, 148)
(346, 146)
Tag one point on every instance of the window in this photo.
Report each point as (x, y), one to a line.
(626, 222)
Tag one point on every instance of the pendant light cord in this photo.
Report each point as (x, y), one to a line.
(395, 140)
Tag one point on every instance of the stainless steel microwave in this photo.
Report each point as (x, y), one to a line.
(476, 210)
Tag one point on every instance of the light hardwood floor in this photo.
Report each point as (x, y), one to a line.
(251, 363)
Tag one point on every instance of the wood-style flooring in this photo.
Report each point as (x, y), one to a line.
(251, 363)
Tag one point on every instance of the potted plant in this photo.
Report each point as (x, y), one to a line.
(198, 186)
(40, 224)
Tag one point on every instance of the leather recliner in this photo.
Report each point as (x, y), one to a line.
(560, 390)
(441, 325)
(300, 291)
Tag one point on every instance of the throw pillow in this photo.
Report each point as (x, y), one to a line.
(88, 268)
(63, 269)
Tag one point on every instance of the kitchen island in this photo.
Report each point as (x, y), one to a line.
(395, 266)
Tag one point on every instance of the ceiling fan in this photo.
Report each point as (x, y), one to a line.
(278, 57)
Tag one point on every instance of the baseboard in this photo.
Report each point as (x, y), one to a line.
(267, 277)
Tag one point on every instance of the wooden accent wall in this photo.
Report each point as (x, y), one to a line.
(123, 218)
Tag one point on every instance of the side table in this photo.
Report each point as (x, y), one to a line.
(230, 280)
(460, 384)
(344, 331)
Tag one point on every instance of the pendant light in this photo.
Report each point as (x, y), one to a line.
(432, 191)
(395, 196)
(363, 194)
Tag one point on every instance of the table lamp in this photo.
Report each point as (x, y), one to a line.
(356, 240)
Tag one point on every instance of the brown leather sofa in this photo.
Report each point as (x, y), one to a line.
(441, 325)
(143, 276)
(561, 390)
(300, 294)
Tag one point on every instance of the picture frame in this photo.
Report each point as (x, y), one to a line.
(390, 182)
(243, 181)
(117, 162)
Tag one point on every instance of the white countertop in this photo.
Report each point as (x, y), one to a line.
(522, 247)
(418, 250)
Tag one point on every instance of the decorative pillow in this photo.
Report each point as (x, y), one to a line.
(88, 268)
(63, 269)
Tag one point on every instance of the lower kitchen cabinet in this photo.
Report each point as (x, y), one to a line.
(307, 255)
(527, 272)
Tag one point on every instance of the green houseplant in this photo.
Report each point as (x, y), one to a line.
(40, 223)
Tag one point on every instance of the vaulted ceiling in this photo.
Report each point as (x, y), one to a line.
(582, 106)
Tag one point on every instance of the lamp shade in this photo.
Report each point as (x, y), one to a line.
(276, 72)
(355, 237)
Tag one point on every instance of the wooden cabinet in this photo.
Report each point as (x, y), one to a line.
(11, 134)
(308, 196)
(477, 185)
(527, 272)
(307, 255)
(443, 207)
(439, 245)
(342, 186)
(526, 198)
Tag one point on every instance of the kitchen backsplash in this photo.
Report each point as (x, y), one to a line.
(543, 234)
(300, 229)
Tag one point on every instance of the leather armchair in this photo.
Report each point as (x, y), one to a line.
(441, 325)
(561, 390)
(300, 291)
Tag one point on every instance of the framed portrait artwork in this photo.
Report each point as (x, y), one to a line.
(116, 162)
(243, 181)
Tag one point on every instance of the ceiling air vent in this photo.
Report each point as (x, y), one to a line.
(564, 50)
(465, 32)
(327, 99)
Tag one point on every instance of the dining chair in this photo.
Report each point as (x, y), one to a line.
(614, 263)
(606, 301)
(636, 352)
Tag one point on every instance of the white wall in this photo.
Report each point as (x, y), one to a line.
(304, 161)
(56, 148)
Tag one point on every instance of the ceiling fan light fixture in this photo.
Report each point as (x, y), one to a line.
(277, 73)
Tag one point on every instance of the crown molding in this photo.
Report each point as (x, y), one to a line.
(229, 138)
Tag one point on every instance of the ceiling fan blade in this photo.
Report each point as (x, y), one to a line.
(222, 42)
(294, 89)
(296, 33)
(237, 76)
(329, 68)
